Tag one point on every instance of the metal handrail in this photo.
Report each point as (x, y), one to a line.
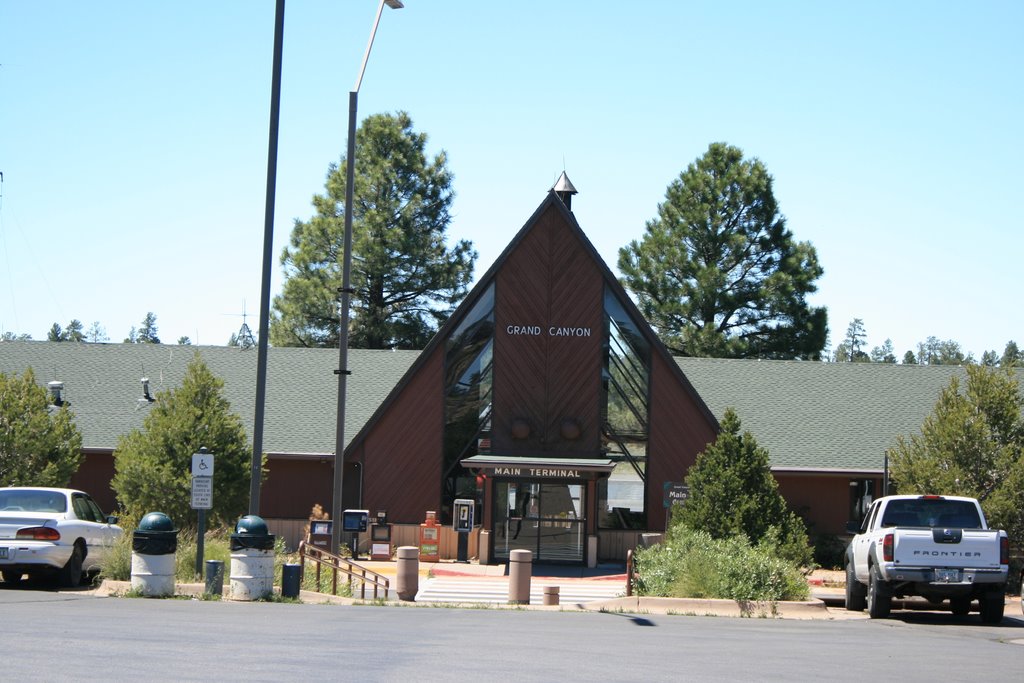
(336, 563)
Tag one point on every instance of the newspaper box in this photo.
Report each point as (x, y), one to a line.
(320, 533)
(380, 537)
(430, 538)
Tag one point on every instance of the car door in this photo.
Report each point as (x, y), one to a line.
(862, 542)
(94, 528)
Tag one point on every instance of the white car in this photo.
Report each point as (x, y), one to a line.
(52, 531)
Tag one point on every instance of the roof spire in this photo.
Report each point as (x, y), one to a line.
(564, 189)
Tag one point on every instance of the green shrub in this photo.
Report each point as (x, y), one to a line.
(215, 547)
(829, 551)
(733, 492)
(692, 564)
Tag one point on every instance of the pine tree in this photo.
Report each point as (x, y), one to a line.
(732, 491)
(972, 444)
(718, 274)
(406, 280)
(153, 464)
(39, 443)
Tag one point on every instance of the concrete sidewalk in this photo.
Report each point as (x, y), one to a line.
(601, 588)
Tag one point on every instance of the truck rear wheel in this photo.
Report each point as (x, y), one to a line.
(879, 600)
(992, 606)
(855, 592)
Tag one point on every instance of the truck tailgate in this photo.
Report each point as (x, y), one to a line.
(961, 548)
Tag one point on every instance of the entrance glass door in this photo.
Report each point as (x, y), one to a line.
(544, 517)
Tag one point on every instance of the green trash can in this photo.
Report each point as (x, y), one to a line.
(291, 580)
(154, 545)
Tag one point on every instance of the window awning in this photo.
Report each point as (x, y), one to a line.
(538, 467)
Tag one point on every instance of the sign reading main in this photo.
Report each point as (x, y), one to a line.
(532, 472)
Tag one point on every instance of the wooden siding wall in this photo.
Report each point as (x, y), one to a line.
(548, 281)
(679, 431)
(402, 455)
(821, 499)
(94, 476)
(293, 487)
(612, 546)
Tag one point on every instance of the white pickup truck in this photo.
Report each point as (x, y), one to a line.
(936, 547)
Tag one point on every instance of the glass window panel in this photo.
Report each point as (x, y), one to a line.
(468, 385)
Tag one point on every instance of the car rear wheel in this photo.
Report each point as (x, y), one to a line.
(11, 576)
(71, 575)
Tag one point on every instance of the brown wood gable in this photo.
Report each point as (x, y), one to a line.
(548, 331)
(439, 339)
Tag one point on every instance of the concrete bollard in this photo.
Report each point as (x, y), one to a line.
(153, 575)
(520, 567)
(252, 574)
(407, 577)
(550, 595)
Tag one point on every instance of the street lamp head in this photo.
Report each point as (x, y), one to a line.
(394, 4)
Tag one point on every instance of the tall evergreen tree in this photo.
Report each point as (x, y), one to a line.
(74, 331)
(972, 444)
(39, 443)
(717, 273)
(884, 353)
(406, 280)
(851, 349)
(1012, 356)
(148, 331)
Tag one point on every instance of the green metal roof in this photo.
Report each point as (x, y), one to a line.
(809, 415)
(102, 385)
(821, 416)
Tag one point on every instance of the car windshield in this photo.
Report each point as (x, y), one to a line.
(31, 500)
(932, 512)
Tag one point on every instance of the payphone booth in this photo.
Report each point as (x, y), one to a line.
(462, 524)
(380, 537)
(355, 522)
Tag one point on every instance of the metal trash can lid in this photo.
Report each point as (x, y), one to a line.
(157, 521)
(252, 525)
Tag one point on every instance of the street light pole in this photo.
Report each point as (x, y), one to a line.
(346, 288)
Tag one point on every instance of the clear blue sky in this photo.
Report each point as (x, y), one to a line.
(133, 142)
